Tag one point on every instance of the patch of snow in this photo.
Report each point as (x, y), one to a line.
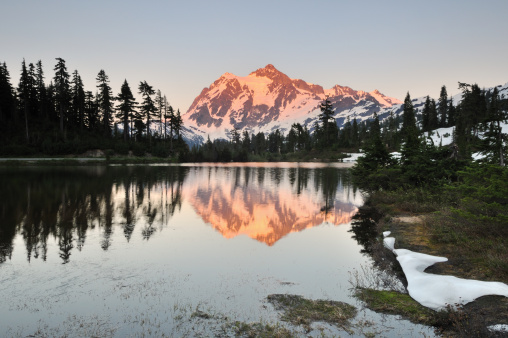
(438, 136)
(389, 242)
(477, 156)
(437, 291)
(498, 328)
(352, 157)
(396, 155)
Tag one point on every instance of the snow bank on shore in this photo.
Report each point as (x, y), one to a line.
(437, 291)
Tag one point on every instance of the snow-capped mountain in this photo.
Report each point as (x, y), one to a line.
(267, 99)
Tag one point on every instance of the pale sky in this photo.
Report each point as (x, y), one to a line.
(180, 47)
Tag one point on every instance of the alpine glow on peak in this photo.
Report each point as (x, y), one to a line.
(268, 99)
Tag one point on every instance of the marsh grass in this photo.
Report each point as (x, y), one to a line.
(301, 311)
(481, 246)
(259, 329)
(393, 302)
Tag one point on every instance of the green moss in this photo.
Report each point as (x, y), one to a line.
(300, 311)
(397, 303)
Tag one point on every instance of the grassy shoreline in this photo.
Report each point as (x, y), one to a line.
(425, 222)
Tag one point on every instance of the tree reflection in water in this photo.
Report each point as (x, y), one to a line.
(66, 202)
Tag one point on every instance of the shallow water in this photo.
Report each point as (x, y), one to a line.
(137, 250)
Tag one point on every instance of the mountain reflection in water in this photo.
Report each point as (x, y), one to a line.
(263, 202)
(239, 201)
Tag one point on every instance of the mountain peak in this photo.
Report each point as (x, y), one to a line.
(267, 70)
(272, 73)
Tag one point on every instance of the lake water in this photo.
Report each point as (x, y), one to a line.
(138, 250)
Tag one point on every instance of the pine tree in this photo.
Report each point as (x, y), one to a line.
(443, 107)
(376, 147)
(409, 131)
(7, 98)
(451, 113)
(170, 115)
(494, 140)
(328, 125)
(41, 91)
(62, 94)
(392, 130)
(105, 98)
(159, 105)
(292, 138)
(355, 136)
(166, 106)
(178, 124)
(426, 115)
(345, 134)
(91, 112)
(433, 119)
(260, 143)
(470, 112)
(24, 99)
(147, 106)
(246, 141)
(374, 159)
(125, 108)
(235, 138)
(32, 84)
(78, 101)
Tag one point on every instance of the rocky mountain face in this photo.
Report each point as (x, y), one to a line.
(267, 99)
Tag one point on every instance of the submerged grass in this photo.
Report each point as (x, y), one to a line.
(301, 311)
(259, 329)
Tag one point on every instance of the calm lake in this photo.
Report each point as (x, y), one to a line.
(140, 250)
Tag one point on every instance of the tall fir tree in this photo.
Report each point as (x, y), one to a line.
(91, 112)
(24, 99)
(41, 92)
(105, 98)
(433, 118)
(125, 108)
(148, 109)
(178, 124)
(451, 113)
(62, 91)
(409, 131)
(77, 101)
(7, 99)
(159, 106)
(470, 112)
(375, 157)
(328, 124)
(443, 107)
(426, 115)
(493, 144)
(170, 116)
(355, 141)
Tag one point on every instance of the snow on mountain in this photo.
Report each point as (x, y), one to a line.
(267, 99)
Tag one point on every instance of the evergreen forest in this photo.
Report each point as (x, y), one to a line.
(62, 117)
